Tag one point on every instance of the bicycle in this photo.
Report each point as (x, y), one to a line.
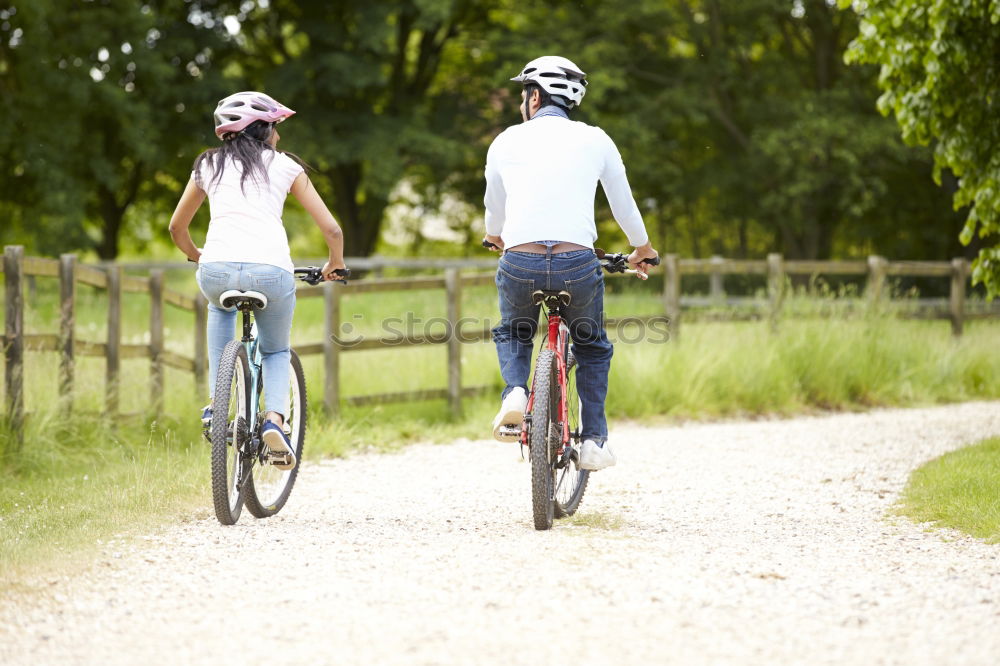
(551, 427)
(243, 467)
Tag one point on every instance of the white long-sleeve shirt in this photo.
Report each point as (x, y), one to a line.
(541, 179)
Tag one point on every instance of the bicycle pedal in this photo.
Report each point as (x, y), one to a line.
(511, 432)
(278, 458)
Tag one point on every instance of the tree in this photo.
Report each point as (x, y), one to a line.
(363, 77)
(940, 78)
(742, 129)
(772, 131)
(109, 94)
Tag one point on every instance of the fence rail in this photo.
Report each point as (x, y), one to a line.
(111, 278)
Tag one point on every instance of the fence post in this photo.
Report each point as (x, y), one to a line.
(956, 301)
(13, 261)
(200, 345)
(331, 349)
(453, 291)
(156, 341)
(717, 290)
(876, 278)
(67, 328)
(672, 294)
(775, 286)
(113, 347)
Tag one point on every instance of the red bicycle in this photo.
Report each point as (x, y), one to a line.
(551, 428)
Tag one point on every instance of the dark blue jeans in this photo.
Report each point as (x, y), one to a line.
(579, 273)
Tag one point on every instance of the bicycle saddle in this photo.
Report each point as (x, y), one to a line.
(234, 298)
(551, 297)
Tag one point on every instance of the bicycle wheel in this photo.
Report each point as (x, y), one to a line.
(570, 481)
(229, 432)
(545, 390)
(269, 487)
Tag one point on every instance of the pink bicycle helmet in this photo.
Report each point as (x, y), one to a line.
(239, 110)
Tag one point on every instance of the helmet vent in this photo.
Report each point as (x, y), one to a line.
(259, 107)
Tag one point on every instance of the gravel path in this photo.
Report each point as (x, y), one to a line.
(764, 542)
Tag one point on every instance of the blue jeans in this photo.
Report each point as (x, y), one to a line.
(274, 323)
(579, 273)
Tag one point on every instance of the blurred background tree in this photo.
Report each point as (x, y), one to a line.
(105, 99)
(742, 129)
(940, 73)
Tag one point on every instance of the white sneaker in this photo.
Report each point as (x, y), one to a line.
(594, 456)
(507, 424)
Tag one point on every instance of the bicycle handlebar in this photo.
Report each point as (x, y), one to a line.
(618, 263)
(314, 275)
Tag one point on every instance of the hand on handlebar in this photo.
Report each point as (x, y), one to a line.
(493, 243)
(642, 259)
(334, 271)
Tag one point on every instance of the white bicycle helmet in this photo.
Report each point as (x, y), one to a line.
(557, 76)
(239, 110)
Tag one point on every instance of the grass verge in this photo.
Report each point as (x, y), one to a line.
(959, 490)
(75, 483)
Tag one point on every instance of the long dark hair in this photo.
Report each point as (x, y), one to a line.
(248, 148)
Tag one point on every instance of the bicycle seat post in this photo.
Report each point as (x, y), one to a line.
(245, 308)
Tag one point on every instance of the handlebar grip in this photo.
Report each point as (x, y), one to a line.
(489, 246)
(655, 261)
(342, 272)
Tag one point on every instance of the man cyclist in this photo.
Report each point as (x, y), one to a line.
(541, 178)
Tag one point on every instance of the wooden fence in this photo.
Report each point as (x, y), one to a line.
(111, 278)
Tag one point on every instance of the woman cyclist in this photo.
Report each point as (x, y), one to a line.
(246, 181)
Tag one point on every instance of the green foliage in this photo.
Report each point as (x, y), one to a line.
(107, 93)
(958, 490)
(364, 79)
(939, 78)
(741, 127)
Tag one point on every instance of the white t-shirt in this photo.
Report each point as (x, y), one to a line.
(541, 178)
(246, 223)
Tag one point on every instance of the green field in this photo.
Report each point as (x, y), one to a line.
(79, 478)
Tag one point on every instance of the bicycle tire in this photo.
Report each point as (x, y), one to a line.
(229, 429)
(268, 488)
(571, 481)
(540, 454)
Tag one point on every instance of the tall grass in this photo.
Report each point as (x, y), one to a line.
(76, 482)
(744, 368)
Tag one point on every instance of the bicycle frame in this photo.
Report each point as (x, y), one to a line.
(255, 361)
(557, 340)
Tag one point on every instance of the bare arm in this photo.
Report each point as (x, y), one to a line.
(180, 221)
(303, 190)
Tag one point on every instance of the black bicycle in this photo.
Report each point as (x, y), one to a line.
(244, 470)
